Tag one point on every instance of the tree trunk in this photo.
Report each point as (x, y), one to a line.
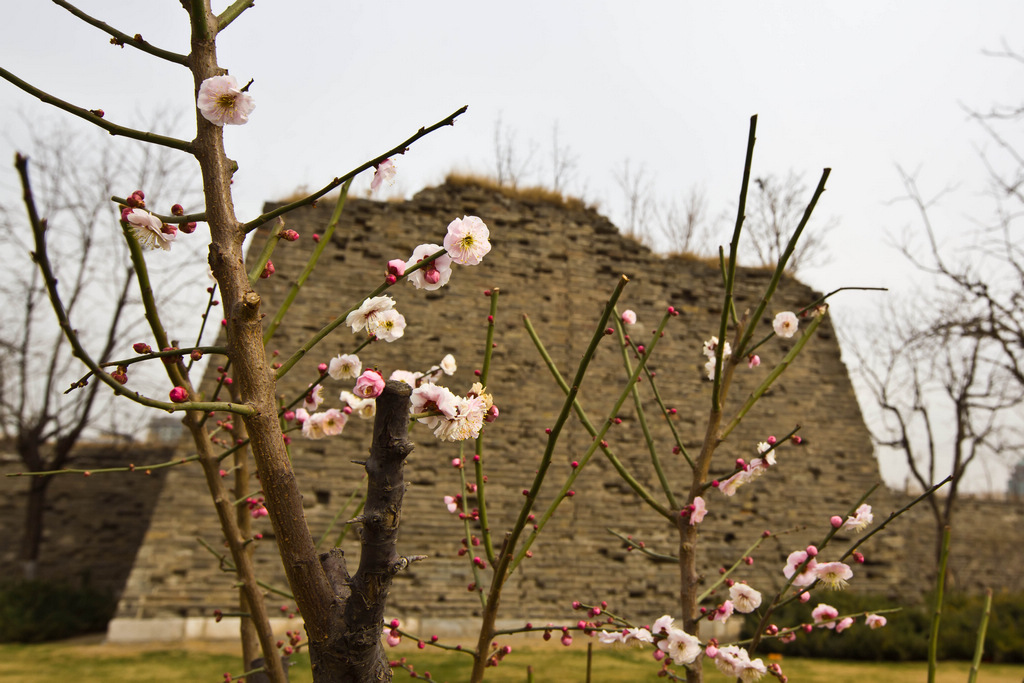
(32, 537)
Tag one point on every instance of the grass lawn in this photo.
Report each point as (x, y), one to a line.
(90, 661)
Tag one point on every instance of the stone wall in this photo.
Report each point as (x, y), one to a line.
(556, 265)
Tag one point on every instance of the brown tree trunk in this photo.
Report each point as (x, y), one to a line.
(32, 537)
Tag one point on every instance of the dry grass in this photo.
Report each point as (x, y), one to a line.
(91, 661)
(528, 194)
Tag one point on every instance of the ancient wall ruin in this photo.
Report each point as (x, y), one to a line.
(557, 265)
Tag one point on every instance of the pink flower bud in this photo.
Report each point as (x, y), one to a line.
(268, 270)
(396, 267)
(836, 521)
(393, 639)
(753, 360)
(141, 347)
(187, 228)
(178, 395)
(169, 229)
(196, 354)
(289, 235)
(812, 551)
(120, 375)
(567, 640)
(316, 237)
(322, 368)
(177, 210)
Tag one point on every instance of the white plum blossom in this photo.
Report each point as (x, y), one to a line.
(406, 376)
(733, 483)
(385, 173)
(365, 408)
(467, 422)
(641, 634)
(221, 102)
(387, 325)
(435, 274)
(734, 662)
(452, 504)
(313, 398)
(825, 615)
(448, 365)
(709, 349)
(149, 230)
(313, 426)
(744, 598)
(367, 311)
(467, 241)
(785, 324)
(345, 366)
(608, 637)
(860, 520)
(680, 645)
(662, 624)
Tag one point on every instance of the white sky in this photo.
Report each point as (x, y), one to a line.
(859, 87)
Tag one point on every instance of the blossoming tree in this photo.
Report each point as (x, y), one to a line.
(343, 610)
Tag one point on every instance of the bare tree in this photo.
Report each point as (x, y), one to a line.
(512, 162)
(685, 228)
(944, 404)
(774, 209)
(563, 162)
(639, 202)
(78, 175)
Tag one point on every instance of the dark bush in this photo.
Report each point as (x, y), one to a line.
(37, 611)
(905, 637)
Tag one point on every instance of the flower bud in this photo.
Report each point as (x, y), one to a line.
(187, 228)
(141, 347)
(178, 395)
(268, 270)
(289, 235)
(177, 210)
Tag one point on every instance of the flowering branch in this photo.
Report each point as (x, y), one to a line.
(197, 217)
(122, 39)
(400, 149)
(94, 116)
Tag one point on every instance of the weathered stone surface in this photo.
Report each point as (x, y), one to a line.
(558, 265)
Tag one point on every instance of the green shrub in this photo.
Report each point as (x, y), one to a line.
(905, 637)
(37, 611)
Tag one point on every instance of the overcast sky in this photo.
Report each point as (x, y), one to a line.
(859, 87)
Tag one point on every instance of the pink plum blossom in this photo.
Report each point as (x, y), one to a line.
(369, 384)
(860, 520)
(452, 504)
(333, 422)
(467, 241)
(313, 426)
(385, 173)
(345, 366)
(844, 624)
(466, 423)
(608, 637)
(629, 317)
(795, 560)
(835, 575)
(753, 360)
(785, 324)
(825, 615)
(700, 509)
(149, 230)
(430, 397)
(875, 621)
(221, 102)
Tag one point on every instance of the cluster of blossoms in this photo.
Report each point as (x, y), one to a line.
(148, 229)
(457, 418)
(749, 471)
(785, 325)
(222, 102)
(710, 348)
